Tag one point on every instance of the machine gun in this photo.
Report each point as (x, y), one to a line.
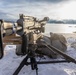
(27, 35)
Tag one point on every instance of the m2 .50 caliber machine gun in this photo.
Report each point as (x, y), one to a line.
(27, 35)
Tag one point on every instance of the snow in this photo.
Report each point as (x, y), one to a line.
(11, 61)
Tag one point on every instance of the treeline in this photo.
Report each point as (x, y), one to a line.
(62, 21)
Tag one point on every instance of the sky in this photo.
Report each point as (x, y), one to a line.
(54, 9)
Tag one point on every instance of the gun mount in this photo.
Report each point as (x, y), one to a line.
(26, 33)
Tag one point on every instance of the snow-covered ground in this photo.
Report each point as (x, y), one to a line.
(11, 61)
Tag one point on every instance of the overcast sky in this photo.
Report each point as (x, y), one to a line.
(55, 9)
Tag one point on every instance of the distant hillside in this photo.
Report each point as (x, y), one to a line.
(69, 21)
(62, 21)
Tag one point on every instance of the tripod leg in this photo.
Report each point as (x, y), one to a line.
(37, 71)
(24, 62)
(36, 67)
(34, 64)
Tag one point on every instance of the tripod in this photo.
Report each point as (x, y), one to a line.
(32, 62)
(31, 55)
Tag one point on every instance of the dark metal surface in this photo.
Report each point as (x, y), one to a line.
(1, 42)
